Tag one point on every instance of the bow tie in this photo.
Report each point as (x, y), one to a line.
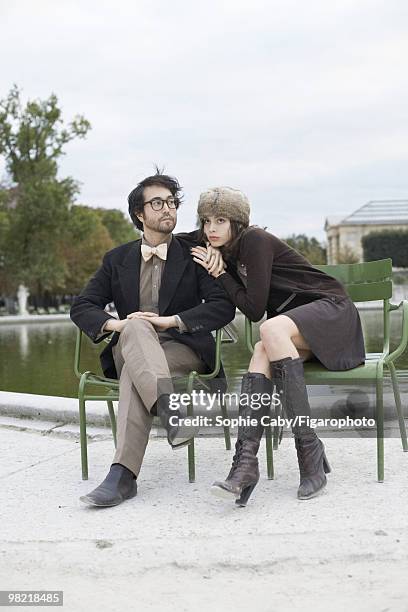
(160, 251)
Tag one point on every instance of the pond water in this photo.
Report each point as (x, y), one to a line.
(38, 357)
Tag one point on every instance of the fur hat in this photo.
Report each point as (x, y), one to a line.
(224, 202)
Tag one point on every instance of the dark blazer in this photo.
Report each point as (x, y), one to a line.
(183, 288)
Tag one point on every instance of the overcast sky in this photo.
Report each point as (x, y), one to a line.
(302, 105)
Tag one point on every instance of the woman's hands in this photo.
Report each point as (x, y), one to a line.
(209, 258)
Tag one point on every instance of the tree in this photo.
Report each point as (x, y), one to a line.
(308, 247)
(120, 229)
(90, 232)
(32, 139)
(86, 241)
(5, 281)
(387, 243)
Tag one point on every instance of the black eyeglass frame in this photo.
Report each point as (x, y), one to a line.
(175, 203)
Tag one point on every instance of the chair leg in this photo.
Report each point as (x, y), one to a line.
(397, 397)
(270, 446)
(227, 435)
(191, 462)
(112, 419)
(83, 438)
(269, 453)
(276, 436)
(277, 431)
(191, 449)
(380, 424)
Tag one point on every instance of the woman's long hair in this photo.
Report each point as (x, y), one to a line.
(230, 250)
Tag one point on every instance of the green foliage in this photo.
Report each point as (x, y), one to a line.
(46, 242)
(32, 138)
(37, 228)
(90, 233)
(310, 248)
(86, 241)
(387, 243)
(34, 224)
(4, 231)
(120, 229)
(4, 218)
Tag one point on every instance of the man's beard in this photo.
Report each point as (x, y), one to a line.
(162, 226)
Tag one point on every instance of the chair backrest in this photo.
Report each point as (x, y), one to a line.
(366, 282)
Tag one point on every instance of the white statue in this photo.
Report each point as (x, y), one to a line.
(22, 296)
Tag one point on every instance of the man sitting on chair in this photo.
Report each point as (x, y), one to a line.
(167, 307)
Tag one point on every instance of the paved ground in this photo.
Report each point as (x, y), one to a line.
(175, 547)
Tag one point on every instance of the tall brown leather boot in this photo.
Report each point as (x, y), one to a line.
(244, 473)
(288, 375)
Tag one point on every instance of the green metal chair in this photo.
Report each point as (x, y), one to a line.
(366, 282)
(110, 393)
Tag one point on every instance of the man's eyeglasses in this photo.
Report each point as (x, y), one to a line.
(158, 203)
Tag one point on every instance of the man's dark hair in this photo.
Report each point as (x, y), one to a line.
(136, 199)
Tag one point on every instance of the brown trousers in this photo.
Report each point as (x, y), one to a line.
(145, 361)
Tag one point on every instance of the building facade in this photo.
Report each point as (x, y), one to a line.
(344, 234)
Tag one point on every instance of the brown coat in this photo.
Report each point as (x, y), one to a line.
(271, 276)
(274, 273)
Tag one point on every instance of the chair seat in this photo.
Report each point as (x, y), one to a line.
(316, 373)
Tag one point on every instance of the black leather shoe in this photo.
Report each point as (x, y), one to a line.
(178, 434)
(119, 484)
